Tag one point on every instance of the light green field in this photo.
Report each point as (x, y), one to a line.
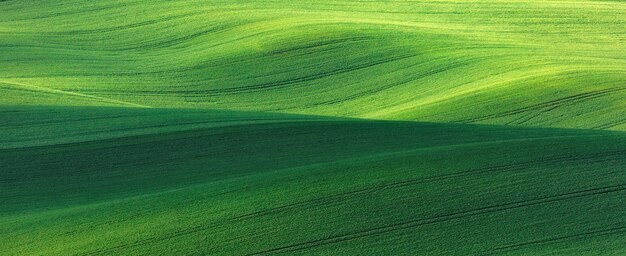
(226, 127)
(538, 63)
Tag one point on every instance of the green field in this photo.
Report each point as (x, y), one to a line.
(323, 127)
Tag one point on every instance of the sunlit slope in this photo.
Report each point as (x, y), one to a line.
(538, 63)
(334, 187)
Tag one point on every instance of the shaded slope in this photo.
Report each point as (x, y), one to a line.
(536, 63)
(77, 148)
(30, 126)
(326, 187)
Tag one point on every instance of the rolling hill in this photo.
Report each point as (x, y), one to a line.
(323, 127)
(534, 63)
(309, 186)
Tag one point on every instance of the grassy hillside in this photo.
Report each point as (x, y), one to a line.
(309, 187)
(537, 63)
(323, 127)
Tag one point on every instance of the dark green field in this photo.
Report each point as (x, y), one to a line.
(226, 127)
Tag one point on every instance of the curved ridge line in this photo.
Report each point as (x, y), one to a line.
(76, 94)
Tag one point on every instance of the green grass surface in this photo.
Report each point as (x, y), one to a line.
(227, 127)
(536, 63)
(317, 186)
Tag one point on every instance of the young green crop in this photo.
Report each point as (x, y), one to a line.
(324, 127)
(310, 187)
(532, 63)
